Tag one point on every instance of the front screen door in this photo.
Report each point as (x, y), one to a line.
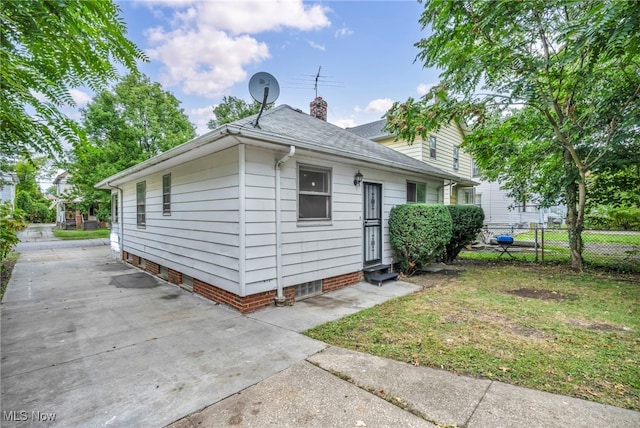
(372, 223)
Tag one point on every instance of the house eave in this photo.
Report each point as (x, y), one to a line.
(232, 134)
(260, 138)
(193, 149)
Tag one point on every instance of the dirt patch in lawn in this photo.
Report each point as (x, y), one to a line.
(532, 293)
(596, 326)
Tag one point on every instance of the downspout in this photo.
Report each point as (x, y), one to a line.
(120, 218)
(242, 234)
(280, 299)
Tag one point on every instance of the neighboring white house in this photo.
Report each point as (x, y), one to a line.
(441, 150)
(248, 214)
(8, 182)
(502, 210)
(68, 213)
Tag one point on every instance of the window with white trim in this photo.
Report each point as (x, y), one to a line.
(432, 147)
(166, 194)
(141, 196)
(314, 193)
(456, 157)
(474, 169)
(416, 192)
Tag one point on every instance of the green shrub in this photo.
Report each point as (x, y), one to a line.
(625, 218)
(418, 233)
(466, 224)
(11, 221)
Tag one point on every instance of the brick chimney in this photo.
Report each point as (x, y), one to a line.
(319, 108)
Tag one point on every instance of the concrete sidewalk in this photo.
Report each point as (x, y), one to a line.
(341, 388)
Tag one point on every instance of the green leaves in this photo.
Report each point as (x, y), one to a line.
(232, 109)
(125, 126)
(48, 47)
(549, 89)
(418, 233)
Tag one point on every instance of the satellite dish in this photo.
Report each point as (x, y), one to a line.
(264, 88)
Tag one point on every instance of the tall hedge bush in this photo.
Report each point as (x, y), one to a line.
(467, 222)
(418, 233)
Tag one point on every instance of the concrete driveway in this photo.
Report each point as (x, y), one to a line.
(93, 342)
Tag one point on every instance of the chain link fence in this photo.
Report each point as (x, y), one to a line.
(612, 249)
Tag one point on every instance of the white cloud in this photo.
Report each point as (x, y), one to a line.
(200, 117)
(209, 45)
(357, 109)
(343, 32)
(204, 62)
(239, 17)
(380, 105)
(345, 122)
(315, 45)
(424, 88)
(81, 98)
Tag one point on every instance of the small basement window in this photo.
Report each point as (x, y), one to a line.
(187, 282)
(164, 272)
(308, 289)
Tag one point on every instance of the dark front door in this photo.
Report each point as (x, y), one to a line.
(372, 223)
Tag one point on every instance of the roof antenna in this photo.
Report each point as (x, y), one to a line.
(315, 87)
(264, 88)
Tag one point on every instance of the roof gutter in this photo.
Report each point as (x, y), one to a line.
(166, 156)
(268, 137)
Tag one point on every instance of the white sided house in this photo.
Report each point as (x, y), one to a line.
(248, 214)
(441, 150)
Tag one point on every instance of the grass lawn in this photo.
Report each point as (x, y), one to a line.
(540, 327)
(81, 234)
(588, 237)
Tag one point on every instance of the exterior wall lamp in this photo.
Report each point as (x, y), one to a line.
(357, 179)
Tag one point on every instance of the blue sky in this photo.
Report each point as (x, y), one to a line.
(203, 50)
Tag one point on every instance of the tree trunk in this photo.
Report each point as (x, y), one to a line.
(575, 213)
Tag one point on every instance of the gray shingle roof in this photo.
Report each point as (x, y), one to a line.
(315, 134)
(371, 131)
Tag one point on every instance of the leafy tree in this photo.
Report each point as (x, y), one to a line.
(29, 197)
(616, 182)
(571, 67)
(232, 109)
(125, 126)
(47, 48)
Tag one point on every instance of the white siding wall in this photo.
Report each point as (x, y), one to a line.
(309, 251)
(200, 237)
(312, 251)
(8, 190)
(447, 138)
